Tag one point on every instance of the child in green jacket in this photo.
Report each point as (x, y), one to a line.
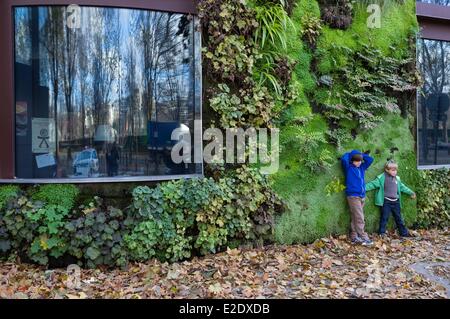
(389, 189)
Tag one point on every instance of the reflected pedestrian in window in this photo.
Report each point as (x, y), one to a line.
(112, 160)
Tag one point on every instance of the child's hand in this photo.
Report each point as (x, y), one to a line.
(413, 196)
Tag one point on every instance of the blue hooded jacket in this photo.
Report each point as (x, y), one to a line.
(354, 176)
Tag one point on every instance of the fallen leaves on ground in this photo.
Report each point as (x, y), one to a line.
(328, 268)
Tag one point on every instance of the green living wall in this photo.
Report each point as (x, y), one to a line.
(331, 81)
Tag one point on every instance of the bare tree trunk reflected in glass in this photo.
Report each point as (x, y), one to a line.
(118, 86)
(434, 102)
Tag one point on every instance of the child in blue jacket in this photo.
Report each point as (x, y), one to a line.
(355, 164)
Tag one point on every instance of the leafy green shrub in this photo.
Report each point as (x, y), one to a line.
(253, 195)
(39, 232)
(245, 209)
(143, 242)
(433, 198)
(170, 222)
(167, 216)
(253, 107)
(50, 238)
(20, 230)
(58, 194)
(230, 52)
(178, 216)
(165, 213)
(224, 217)
(166, 225)
(6, 193)
(231, 57)
(274, 71)
(35, 230)
(311, 29)
(96, 237)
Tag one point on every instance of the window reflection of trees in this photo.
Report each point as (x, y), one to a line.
(439, 2)
(109, 78)
(434, 58)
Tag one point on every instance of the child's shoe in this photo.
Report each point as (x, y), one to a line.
(357, 240)
(367, 242)
(407, 236)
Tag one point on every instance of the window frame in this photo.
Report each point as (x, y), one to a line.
(434, 23)
(7, 88)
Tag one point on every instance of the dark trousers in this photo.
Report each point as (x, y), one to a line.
(386, 210)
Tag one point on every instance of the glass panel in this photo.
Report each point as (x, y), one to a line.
(99, 96)
(433, 118)
(439, 2)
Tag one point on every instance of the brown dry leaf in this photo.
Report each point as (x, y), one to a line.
(326, 263)
(233, 252)
(248, 292)
(338, 262)
(215, 288)
(281, 262)
(334, 285)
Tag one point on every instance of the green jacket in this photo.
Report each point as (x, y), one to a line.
(378, 183)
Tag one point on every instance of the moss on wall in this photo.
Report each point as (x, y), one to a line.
(312, 212)
(398, 22)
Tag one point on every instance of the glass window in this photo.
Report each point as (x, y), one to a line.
(433, 118)
(101, 95)
(439, 2)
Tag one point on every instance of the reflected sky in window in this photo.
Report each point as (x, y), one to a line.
(433, 118)
(439, 2)
(117, 85)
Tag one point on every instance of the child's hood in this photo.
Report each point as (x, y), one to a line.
(355, 152)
